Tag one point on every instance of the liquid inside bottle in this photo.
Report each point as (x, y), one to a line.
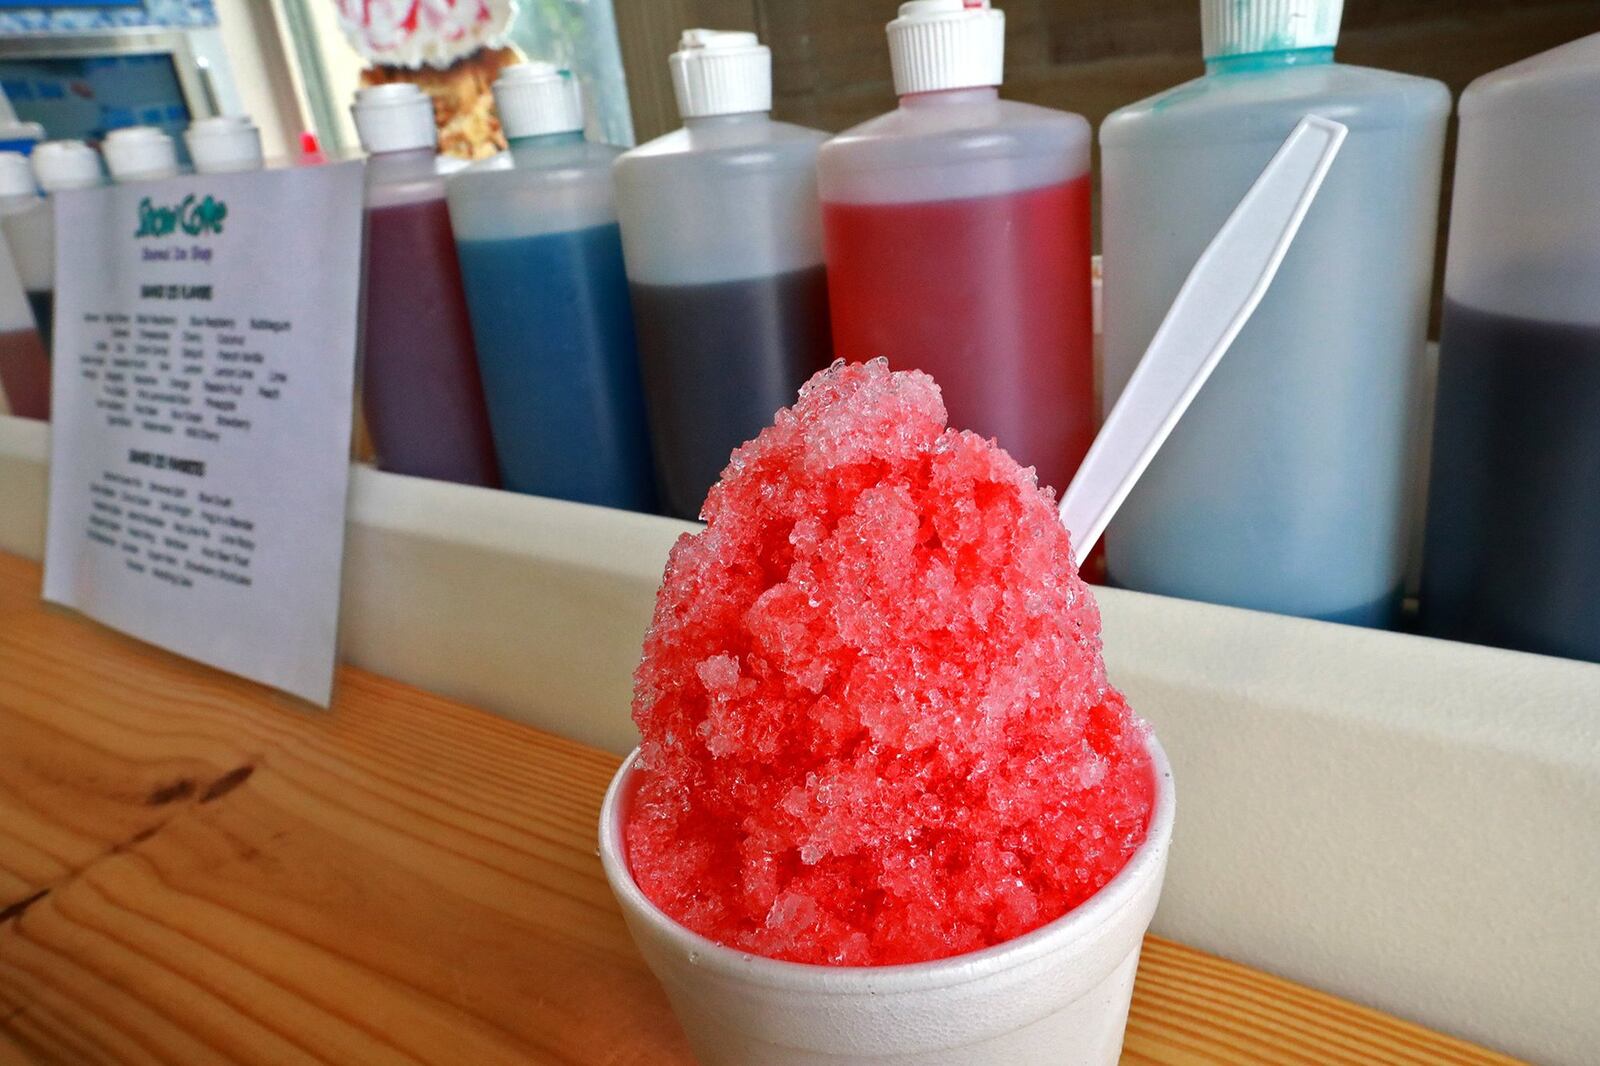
(25, 274)
(560, 367)
(990, 295)
(708, 394)
(1513, 548)
(420, 382)
(43, 304)
(25, 373)
(30, 235)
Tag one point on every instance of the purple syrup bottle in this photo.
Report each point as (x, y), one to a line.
(420, 388)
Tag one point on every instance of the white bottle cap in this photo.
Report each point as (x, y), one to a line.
(61, 165)
(718, 72)
(537, 98)
(1248, 27)
(139, 153)
(16, 177)
(394, 117)
(13, 131)
(224, 143)
(946, 44)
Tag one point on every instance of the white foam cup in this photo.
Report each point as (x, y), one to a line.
(1056, 995)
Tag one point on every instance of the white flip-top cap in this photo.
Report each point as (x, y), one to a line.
(16, 177)
(537, 98)
(395, 117)
(721, 72)
(224, 143)
(139, 153)
(61, 165)
(946, 44)
(1247, 27)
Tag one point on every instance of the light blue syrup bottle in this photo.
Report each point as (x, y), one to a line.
(1288, 484)
(541, 260)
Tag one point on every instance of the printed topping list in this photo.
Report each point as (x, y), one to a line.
(169, 531)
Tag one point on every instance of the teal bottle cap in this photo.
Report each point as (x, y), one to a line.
(1246, 27)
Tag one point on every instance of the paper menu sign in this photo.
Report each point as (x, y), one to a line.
(203, 377)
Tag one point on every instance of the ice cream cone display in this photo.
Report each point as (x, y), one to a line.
(452, 49)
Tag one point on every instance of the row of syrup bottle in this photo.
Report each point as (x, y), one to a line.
(137, 153)
(28, 219)
(953, 237)
(684, 277)
(28, 222)
(955, 232)
(723, 240)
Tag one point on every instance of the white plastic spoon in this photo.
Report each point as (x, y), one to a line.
(1218, 297)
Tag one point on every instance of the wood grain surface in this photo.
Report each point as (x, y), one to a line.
(195, 870)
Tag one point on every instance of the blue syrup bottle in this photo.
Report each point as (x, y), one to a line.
(541, 260)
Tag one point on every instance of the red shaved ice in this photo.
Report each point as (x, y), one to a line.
(876, 725)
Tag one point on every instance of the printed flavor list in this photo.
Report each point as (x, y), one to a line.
(203, 374)
(198, 377)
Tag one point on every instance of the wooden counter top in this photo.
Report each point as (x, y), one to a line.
(195, 870)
